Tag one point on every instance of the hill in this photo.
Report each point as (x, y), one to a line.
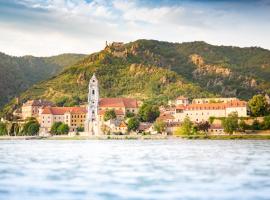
(19, 73)
(149, 69)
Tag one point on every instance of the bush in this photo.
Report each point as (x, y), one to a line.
(133, 124)
(31, 127)
(63, 129)
(230, 123)
(159, 126)
(129, 114)
(148, 112)
(54, 128)
(109, 114)
(186, 127)
(3, 129)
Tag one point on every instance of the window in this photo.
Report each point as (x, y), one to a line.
(93, 92)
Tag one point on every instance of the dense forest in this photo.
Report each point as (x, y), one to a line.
(158, 71)
(19, 73)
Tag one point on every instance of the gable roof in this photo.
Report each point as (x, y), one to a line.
(63, 110)
(213, 106)
(118, 102)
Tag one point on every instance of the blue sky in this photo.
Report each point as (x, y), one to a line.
(50, 27)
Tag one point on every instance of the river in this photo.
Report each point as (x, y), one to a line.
(135, 169)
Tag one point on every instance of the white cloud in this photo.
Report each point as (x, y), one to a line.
(47, 27)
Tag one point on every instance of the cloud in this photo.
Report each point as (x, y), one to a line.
(46, 27)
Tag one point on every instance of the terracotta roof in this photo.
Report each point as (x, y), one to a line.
(117, 112)
(63, 110)
(213, 106)
(144, 125)
(165, 116)
(38, 103)
(122, 125)
(118, 102)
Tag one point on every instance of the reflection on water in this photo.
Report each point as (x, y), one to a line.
(171, 169)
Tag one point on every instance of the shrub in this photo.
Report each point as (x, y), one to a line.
(3, 129)
(159, 126)
(109, 114)
(186, 127)
(63, 129)
(230, 123)
(133, 124)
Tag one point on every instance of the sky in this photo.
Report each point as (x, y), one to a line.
(51, 27)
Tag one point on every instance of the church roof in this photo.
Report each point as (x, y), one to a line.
(118, 102)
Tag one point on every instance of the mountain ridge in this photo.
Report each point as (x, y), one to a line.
(159, 71)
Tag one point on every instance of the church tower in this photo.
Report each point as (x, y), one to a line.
(91, 124)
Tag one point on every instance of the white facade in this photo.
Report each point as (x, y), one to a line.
(92, 121)
(202, 112)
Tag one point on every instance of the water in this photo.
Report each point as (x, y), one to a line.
(105, 170)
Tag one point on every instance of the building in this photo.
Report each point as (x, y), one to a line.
(74, 117)
(203, 111)
(181, 100)
(92, 126)
(31, 108)
(98, 106)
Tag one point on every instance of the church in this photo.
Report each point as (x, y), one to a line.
(97, 107)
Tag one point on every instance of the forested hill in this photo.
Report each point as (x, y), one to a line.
(149, 69)
(19, 73)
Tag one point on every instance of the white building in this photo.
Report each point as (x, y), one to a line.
(203, 111)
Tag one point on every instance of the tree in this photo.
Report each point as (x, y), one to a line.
(266, 122)
(129, 114)
(148, 112)
(63, 129)
(203, 126)
(242, 126)
(109, 114)
(133, 124)
(186, 127)
(159, 126)
(54, 128)
(3, 129)
(255, 125)
(31, 127)
(230, 123)
(258, 105)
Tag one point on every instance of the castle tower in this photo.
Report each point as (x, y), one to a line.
(91, 124)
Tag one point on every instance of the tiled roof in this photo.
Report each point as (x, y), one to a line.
(63, 110)
(165, 116)
(122, 125)
(213, 106)
(144, 125)
(118, 102)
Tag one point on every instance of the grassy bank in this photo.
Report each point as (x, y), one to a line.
(227, 137)
(141, 137)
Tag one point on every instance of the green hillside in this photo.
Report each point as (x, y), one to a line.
(19, 73)
(149, 69)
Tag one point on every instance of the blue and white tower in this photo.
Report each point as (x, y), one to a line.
(91, 123)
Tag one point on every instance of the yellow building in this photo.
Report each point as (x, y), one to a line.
(74, 117)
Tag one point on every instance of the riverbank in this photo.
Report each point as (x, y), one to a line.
(143, 137)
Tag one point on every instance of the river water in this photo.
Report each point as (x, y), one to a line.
(135, 169)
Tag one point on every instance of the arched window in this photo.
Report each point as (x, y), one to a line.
(93, 92)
